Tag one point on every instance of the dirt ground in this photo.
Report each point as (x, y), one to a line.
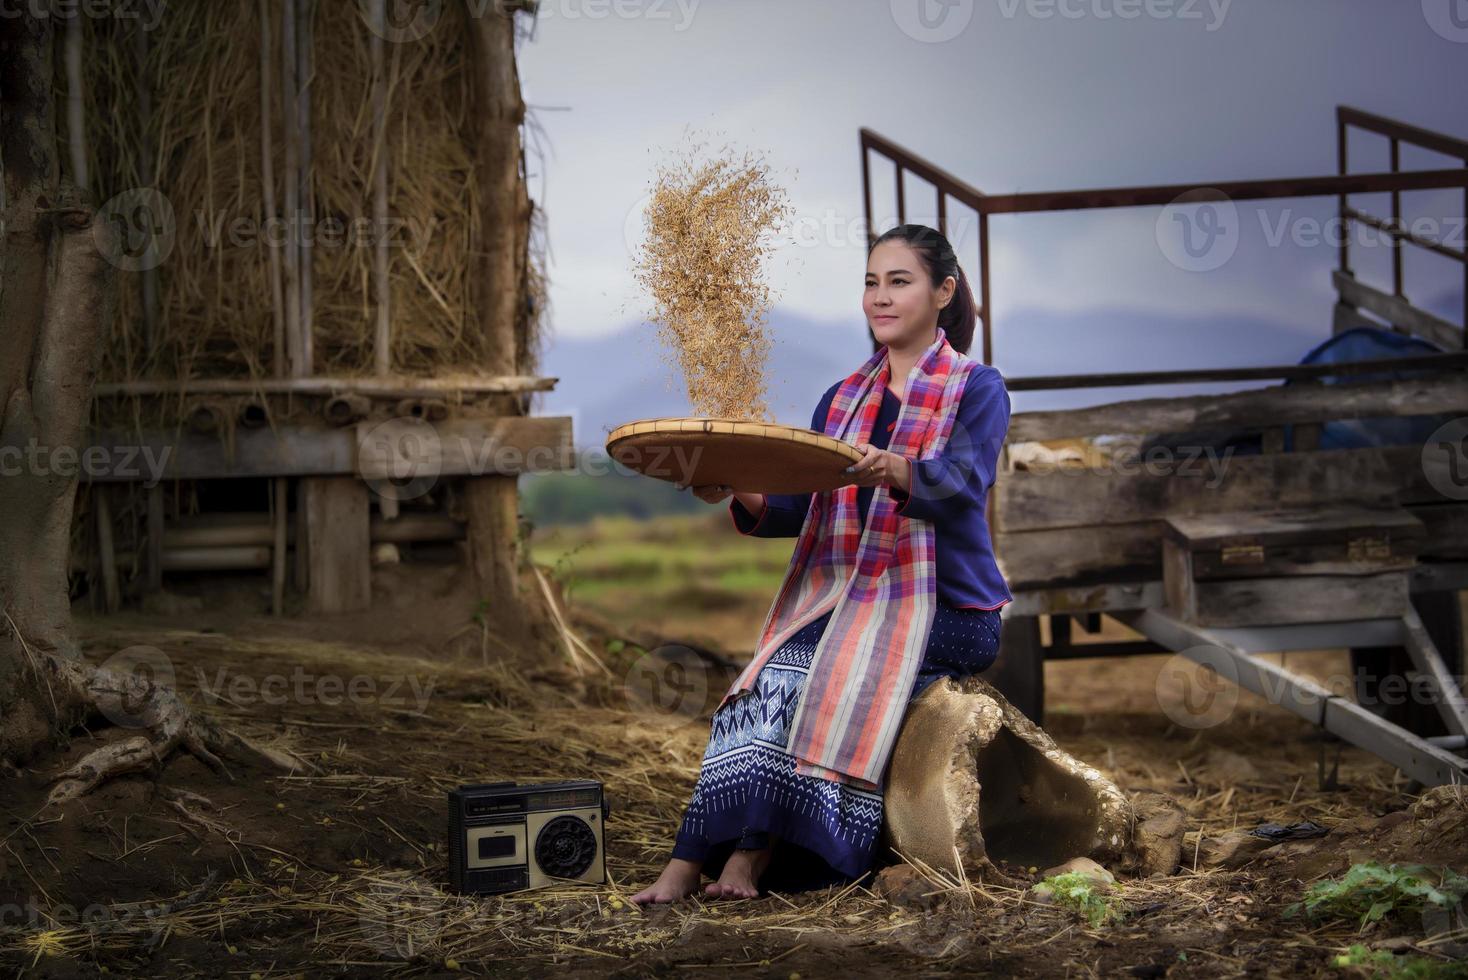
(340, 870)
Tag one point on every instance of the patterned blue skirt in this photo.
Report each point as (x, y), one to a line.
(747, 790)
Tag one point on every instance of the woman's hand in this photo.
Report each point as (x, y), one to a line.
(881, 468)
(710, 493)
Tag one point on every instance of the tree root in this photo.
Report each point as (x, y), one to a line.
(168, 725)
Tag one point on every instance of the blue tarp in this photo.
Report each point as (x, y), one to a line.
(1358, 344)
(1364, 344)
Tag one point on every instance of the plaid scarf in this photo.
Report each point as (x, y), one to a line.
(881, 581)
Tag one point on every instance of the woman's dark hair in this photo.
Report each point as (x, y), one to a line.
(957, 318)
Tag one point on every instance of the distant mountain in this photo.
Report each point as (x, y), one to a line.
(620, 377)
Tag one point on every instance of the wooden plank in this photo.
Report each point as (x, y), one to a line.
(1097, 598)
(338, 544)
(1275, 526)
(1255, 409)
(1080, 498)
(543, 442)
(1398, 312)
(1446, 524)
(1292, 599)
(1055, 557)
(1346, 317)
(383, 387)
(1449, 361)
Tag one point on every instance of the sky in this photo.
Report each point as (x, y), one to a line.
(1011, 96)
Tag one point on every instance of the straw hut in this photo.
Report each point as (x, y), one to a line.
(329, 302)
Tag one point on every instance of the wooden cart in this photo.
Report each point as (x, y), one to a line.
(1292, 547)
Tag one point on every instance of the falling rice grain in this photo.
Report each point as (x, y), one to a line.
(709, 228)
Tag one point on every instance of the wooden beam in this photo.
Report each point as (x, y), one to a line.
(1447, 361)
(1398, 312)
(1083, 498)
(506, 446)
(1413, 755)
(399, 387)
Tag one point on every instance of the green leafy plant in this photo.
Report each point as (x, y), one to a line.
(1081, 894)
(1384, 963)
(1369, 893)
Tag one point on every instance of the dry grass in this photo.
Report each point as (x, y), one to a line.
(215, 319)
(702, 262)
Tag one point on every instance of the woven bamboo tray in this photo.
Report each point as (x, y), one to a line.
(751, 457)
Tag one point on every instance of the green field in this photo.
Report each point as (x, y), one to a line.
(691, 577)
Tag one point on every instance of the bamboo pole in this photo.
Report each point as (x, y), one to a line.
(373, 387)
(267, 184)
(292, 185)
(76, 116)
(383, 350)
(148, 280)
(305, 72)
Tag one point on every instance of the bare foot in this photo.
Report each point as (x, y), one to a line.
(740, 878)
(678, 880)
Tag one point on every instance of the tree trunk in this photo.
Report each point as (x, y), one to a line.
(503, 236)
(49, 316)
(56, 291)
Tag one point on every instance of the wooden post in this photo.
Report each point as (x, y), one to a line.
(292, 187)
(382, 353)
(492, 509)
(339, 546)
(491, 502)
(111, 594)
(280, 498)
(155, 538)
(305, 69)
(279, 361)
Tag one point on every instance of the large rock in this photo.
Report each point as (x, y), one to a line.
(972, 777)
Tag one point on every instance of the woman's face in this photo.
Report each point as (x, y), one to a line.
(900, 303)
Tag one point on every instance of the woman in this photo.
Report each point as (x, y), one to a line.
(790, 792)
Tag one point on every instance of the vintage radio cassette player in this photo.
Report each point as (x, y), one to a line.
(505, 838)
